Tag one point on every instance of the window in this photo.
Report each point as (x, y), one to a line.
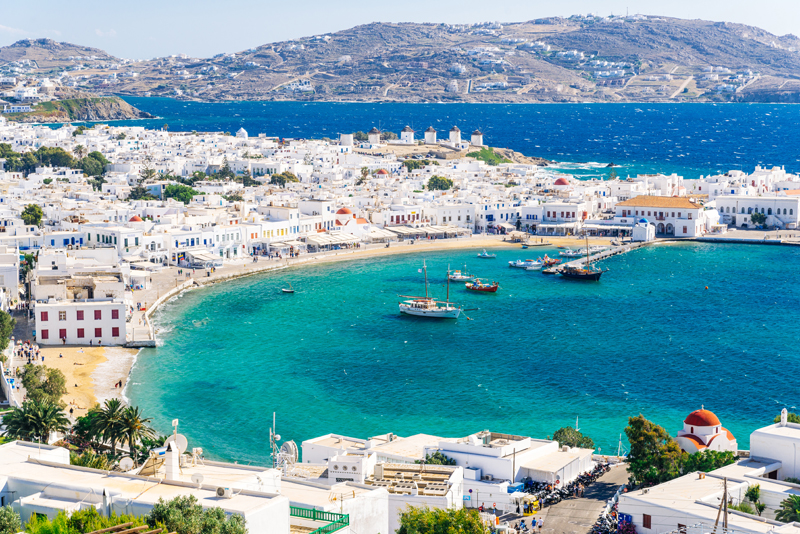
(684, 230)
(80, 315)
(115, 331)
(62, 333)
(98, 332)
(690, 215)
(126, 241)
(44, 316)
(45, 334)
(98, 315)
(646, 521)
(115, 314)
(62, 316)
(769, 211)
(80, 333)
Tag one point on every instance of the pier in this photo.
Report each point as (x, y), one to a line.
(621, 249)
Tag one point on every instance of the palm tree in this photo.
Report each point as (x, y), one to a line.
(35, 421)
(135, 428)
(79, 151)
(789, 510)
(107, 422)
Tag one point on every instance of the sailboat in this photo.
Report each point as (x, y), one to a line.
(583, 272)
(428, 306)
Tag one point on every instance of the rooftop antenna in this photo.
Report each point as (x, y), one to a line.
(198, 478)
(274, 438)
(126, 464)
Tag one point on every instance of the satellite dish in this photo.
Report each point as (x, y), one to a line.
(197, 478)
(289, 452)
(126, 464)
(180, 441)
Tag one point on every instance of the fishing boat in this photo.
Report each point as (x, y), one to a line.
(524, 264)
(547, 261)
(461, 276)
(569, 253)
(485, 255)
(550, 270)
(594, 249)
(535, 267)
(428, 306)
(587, 271)
(290, 290)
(477, 285)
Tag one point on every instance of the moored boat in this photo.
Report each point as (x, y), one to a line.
(547, 261)
(486, 256)
(428, 306)
(569, 253)
(586, 271)
(477, 285)
(461, 276)
(524, 264)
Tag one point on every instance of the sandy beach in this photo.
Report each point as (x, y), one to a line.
(91, 373)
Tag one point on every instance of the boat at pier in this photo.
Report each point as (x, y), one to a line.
(569, 253)
(524, 264)
(428, 306)
(586, 271)
(547, 261)
(477, 285)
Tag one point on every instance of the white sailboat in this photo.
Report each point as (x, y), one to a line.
(428, 306)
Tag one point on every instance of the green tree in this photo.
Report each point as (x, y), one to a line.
(791, 417)
(184, 193)
(364, 176)
(79, 130)
(248, 180)
(147, 173)
(32, 215)
(233, 197)
(86, 520)
(140, 193)
(572, 438)
(439, 183)
(437, 458)
(79, 151)
(758, 218)
(6, 329)
(135, 427)
(426, 520)
(225, 173)
(283, 178)
(43, 383)
(654, 456)
(184, 515)
(10, 521)
(107, 422)
(34, 421)
(97, 183)
(91, 167)
(789, 509)
(753, 494)
(414, 164)
(706, 461)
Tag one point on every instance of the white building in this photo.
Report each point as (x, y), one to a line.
(702, 430)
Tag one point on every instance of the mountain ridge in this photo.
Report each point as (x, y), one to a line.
(575, 59)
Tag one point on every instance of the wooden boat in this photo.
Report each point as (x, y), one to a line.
(477, 285)
(547, 261)
(428, 306)
(586, 271)
(290, 290)
(486, 256)
(524, 246)
(461, 276)
(550, 270)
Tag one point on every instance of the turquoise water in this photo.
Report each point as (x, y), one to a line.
(338, 357)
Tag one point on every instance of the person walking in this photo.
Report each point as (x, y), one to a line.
(539, 525)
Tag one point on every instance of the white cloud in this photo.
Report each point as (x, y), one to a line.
(109, 33)
(15, 31)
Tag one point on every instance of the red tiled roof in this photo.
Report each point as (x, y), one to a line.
(701, 418)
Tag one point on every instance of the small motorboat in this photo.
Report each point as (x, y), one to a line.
(524, 264)
(485, 255)
(535, 267)
(550, 270)
(290, 290)
(477, 285)
(524, 246)
(569, 253)
(461, 276)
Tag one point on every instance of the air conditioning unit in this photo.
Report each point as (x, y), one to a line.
(487, 477)
(224, 493)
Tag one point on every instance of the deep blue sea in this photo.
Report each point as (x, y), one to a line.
(338, 357)
(690, 139)
(649, 338)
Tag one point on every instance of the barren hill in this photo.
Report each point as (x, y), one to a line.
(576, 59)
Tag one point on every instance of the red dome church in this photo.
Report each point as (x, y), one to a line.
(702, 430)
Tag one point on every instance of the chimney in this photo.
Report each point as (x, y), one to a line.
(172, 461)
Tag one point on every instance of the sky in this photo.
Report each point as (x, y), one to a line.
(202, 28)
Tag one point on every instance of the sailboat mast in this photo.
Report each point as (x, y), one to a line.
(425, 269)
(448, 283)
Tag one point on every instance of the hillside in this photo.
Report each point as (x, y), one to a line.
(80, 109)
(576, 59)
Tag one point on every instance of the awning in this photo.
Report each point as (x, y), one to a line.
(295, 243)
(505, 226)
(204, 257)
(378, 233)
(557, 225)
(607, 226)
(404, 230)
